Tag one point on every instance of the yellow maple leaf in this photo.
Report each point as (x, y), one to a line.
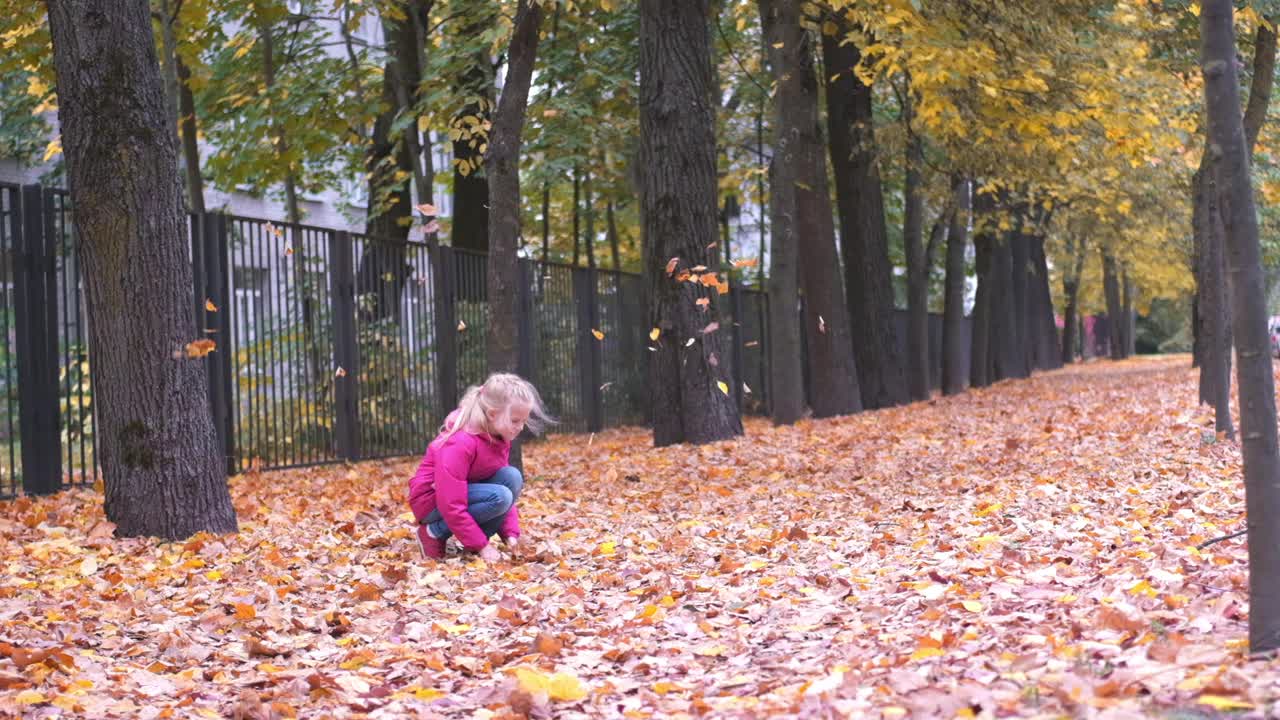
(723, 387)
(560, 686)
(654, 333)
(972, 605)
(926, 652)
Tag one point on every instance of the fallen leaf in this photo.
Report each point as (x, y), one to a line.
(200, 348)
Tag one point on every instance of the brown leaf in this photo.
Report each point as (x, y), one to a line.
(257, 648)
(366, 591)
(547, 644)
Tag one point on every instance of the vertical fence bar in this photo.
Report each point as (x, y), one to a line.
(589, 351)
(342, 288)
(446, 329)
(37, 396)
(735, 332)
(524, 318)
(217, 283)
(49, 420)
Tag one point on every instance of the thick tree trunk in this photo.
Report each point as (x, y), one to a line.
(1126, 304)
(953, 348)
(678, 214)
(863, 239)
(1217, 340)
(982, 360)
(802, 204)
(1254, 374)
(917, 265)
(786, 376)
(162, 466)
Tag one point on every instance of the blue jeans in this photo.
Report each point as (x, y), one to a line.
(488, 503)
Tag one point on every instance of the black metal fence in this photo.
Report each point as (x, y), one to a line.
(332, 345)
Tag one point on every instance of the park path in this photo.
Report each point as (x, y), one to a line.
(1022, 550)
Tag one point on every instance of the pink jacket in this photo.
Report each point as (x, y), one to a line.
(442, 477)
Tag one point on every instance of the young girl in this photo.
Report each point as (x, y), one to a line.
(464, 485)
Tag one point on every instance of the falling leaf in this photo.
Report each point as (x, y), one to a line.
(698, 268)
(200, 348)
(691, 342)
(746, 389)
(599, 335)
(711, 246)
(288, 248)
(751, 343)
(461, 326)
(208, 305)
(702, 303)
(654, 333)
(710, 328)
(746, 262)
(274, 230)
(340, 372)
(822, 325)
(671, 265)
(431, 227)
(724, 388)
(550, 113)
(427, 209)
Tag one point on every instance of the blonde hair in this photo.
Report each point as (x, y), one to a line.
(499, 392)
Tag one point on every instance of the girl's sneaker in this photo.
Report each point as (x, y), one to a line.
(431, 547)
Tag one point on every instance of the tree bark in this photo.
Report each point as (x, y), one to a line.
(470, 188)
(953, 348)
(980, 363)
(780, 25)
(1254, 369)
(678, 214)
(917, 265)
(1019, 293)
(1048, 355)
(1006, 353)
(502, 168)
(161, 462)
(614, 250)
(1115, 309)
(863, 239)
(805, 206)
(1071, 292)
(1126, 304)
(190, 139)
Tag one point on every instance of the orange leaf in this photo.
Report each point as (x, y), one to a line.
(200, 348)
(208, 305)
(599, 335)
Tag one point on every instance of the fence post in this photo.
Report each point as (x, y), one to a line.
(739, 373)
(524, 319)
(215, 281)
(444, 302)
(35, 291)
(589, 355)
(346, 353)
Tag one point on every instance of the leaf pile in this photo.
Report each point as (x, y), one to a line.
(1027, 549)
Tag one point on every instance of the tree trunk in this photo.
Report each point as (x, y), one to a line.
(826, 315)
(614, 250)
(1048, 355)
(1217, 340)
(1071, 292)
(1254, 373)
(953, 348)
(589, 240)
(470, 188)
(1006, 354)
(190, 139)
(163, 470)
(502, 168)
(980, 363)
(917, 266)
(1115, 309)
(577, 215)
(281, 141)
(167, 17)
(863, 239)
(779, 20)
(1126, 304)
(1019, 292)
(678, 214)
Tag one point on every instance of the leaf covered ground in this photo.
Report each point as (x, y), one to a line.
(1023, 550)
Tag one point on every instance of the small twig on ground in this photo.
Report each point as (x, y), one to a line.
(1211, 541)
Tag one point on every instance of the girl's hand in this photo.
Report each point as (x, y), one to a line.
(513, 542)
(489, 553)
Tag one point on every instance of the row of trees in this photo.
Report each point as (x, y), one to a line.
(1012, 120)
